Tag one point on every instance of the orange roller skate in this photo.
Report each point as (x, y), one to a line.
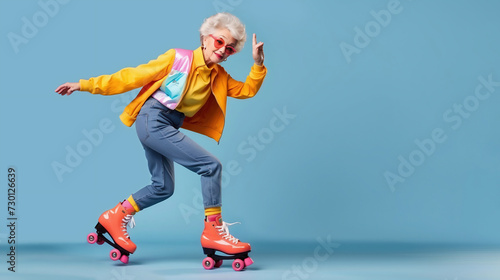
(114, 222)
(216, 237)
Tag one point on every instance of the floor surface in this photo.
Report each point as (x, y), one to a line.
(285, 261)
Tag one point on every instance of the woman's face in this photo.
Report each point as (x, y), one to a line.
(218, 46)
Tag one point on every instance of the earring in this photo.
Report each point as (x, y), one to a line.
(203, 47)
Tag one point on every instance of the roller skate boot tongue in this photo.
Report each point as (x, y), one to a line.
(128, 207)
(128, 220)
(215, 218)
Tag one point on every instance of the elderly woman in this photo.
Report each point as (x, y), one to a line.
(180, 89)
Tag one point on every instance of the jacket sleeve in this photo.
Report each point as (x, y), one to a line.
(250, 87)
(130, 78)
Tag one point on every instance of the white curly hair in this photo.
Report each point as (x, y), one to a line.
(225, 21)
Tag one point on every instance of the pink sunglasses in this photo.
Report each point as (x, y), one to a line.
(219, 43)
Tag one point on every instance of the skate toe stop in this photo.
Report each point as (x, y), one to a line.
(248, 261)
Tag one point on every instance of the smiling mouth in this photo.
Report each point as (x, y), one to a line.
(218, 55)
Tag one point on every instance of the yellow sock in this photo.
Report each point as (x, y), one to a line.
(132, 201)
(212, 211)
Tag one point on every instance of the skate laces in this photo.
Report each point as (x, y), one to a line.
(129, 221)
(224, 231)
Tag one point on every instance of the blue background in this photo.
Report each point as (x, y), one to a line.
(322, 173)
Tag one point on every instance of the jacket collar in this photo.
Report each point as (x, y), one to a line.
(199, 61)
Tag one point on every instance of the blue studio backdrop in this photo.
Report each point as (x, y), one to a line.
(378, 120)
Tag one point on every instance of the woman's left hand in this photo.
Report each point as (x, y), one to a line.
(257, 51)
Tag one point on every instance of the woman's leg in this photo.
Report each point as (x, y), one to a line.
(157, 128)
(162, 180)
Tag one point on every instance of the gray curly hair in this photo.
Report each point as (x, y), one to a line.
(225, 21)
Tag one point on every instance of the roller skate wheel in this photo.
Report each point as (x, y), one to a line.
(92, 238)
(208, 263)
(124, 259)
(115, 254)
(100, 240)
(218, 263)
(238, 265)
(248, 261)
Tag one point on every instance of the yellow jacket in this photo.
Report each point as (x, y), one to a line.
(209, 120)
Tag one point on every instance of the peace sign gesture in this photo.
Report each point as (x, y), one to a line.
(257, 51)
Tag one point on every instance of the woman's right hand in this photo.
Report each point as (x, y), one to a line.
(67, 88)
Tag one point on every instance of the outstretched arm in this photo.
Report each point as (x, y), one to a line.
(124, 80)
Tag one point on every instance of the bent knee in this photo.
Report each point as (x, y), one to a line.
(163, 190)
(210, 166)
(215, 165)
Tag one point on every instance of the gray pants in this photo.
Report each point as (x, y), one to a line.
(158, 130)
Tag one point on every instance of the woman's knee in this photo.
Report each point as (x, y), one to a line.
(211, 166)
(216, 165)
(163, 190)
